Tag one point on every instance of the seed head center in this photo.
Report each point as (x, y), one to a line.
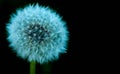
(37, 33)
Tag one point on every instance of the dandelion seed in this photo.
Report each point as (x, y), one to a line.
(37, 33)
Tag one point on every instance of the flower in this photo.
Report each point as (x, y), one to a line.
(37, 33)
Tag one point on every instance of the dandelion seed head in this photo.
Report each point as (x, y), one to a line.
(37, 33)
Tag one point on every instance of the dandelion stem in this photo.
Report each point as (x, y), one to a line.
(32, 67)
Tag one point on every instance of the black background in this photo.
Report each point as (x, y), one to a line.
(72, 61)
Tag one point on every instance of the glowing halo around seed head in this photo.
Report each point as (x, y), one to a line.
(37, 33)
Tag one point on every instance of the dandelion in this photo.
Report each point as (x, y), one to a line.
(37, 33)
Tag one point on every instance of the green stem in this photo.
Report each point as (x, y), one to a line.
(32, 67)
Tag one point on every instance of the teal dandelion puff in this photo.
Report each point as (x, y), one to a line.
(37, 33)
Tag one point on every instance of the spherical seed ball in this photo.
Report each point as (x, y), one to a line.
(37, 33)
